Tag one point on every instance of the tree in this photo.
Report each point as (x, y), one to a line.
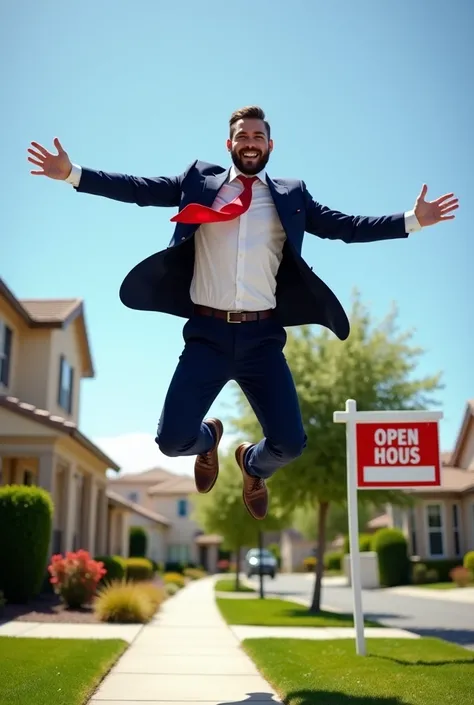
(223, 512)
(376, 366)
(305, 518)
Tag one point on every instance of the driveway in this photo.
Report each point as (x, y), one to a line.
(444, 619)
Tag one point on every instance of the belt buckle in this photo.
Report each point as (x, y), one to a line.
(230, 313)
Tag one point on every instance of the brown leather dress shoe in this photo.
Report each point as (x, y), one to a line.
(254, 493)
(206, 467)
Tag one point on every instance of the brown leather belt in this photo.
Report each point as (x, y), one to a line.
(233, 316)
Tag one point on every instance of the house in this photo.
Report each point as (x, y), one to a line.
(169, 495)
(440, 525)
(44, 356)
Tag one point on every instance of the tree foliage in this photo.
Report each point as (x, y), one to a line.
(376, 366)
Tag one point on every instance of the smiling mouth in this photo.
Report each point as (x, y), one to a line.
(248, 154)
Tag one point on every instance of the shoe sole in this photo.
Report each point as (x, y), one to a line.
(218, 426)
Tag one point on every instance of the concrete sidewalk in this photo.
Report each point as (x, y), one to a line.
(187, 654)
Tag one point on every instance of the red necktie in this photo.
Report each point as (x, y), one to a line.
(195, 213)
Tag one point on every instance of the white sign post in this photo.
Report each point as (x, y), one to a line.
(384, 449)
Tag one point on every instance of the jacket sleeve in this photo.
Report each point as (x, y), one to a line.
(143, 191)
(327, 223)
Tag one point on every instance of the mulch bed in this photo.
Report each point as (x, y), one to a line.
(47, 608)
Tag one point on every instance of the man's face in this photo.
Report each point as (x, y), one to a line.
(250, 147)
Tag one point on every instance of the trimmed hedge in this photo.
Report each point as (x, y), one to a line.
(116, 568)
(392, 551)
(333, 560)
(137, 542)
(26, 520)
(138, 569)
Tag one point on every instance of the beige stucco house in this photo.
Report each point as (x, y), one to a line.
(169, 495)
(441, 523)
(44, 356)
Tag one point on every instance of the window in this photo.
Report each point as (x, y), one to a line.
(182, 507)
(178, 554)
(456, 534)
(27, 477)
(434, 522)
(6, 335)
(66, 381)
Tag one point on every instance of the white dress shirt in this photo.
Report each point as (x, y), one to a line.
(236, 261)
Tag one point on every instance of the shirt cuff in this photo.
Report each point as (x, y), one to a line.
(411, 222)
(74, 177)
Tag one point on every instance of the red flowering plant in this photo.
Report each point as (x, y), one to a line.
(75, 577)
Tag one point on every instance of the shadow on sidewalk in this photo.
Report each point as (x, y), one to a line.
(315, 697)
(256, 698)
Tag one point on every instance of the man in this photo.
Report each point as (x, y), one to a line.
(234, 270)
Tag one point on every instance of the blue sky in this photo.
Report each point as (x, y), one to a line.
(367, 101)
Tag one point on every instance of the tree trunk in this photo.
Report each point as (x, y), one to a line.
(319, 568)
(238, 560)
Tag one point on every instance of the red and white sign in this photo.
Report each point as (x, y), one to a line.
(397, 454)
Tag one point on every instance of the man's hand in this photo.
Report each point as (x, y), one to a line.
(56, 166)
(432, 212)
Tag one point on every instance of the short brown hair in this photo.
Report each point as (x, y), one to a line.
(250, 111)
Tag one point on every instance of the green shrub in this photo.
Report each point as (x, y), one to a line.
(194, 573)
(138, 569)
(26, 519)
(392, 552)
(171, 589)
(432, 576)
(157, 567)
(468, 562)
(419, 574)
(174, 567)
(309, 564)
(443, 567)
(116, 568)
(333, 560)
(175, 578)
(365, 543)
(138, 540)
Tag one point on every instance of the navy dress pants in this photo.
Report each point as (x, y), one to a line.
(251, 354)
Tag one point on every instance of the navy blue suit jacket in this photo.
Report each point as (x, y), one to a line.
(162, 281)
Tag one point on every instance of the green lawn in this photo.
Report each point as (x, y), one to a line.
(441, 586)
(395, 672)
(54, 671)
(272, 612)
(229, 586)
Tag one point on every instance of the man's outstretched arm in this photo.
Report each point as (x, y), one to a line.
(328, 223)
(143, 191)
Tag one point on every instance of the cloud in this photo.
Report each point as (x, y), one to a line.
(135, 452)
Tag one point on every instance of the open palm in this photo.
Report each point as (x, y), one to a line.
(432, 212)
(55, 166)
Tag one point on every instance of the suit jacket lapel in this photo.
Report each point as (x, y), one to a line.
(279, 194)
(211, 186)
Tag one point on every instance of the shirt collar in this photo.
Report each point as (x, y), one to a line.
(234, 173)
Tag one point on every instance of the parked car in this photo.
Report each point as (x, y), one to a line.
(256, 562)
